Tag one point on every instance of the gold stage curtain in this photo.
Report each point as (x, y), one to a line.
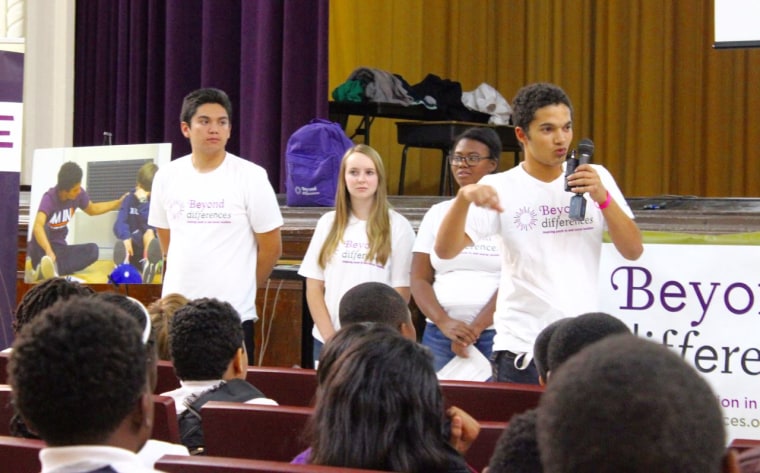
(668, 113)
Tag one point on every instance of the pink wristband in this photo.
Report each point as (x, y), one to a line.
(606, 203)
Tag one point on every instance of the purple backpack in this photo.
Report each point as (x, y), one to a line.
(312, 157)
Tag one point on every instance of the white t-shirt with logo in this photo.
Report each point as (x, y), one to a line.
(465, 283)
(348, 267)
(551, 263)
(212, 217)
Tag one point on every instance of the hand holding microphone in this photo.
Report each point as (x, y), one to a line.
(577, 202)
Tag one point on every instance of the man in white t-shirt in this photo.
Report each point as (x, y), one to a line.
(216, 214)
(550, 262)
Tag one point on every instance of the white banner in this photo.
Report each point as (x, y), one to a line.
(11, 118)
(703, 301)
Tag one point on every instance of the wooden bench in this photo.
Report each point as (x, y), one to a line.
(20, 455)
(165, 424)
(287, 386)
(270, 432)
(741, 445)
(4, 357)
(6, 409)
(487, 401)
(208, 464)
(166, 380)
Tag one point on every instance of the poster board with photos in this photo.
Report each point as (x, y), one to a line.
(108, 172)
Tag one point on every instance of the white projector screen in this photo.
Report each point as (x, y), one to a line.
(737, 23)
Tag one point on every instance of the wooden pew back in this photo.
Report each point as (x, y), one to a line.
(209, 464)
(491, 401)
(270, 432)
(165, 424)
(20, 455)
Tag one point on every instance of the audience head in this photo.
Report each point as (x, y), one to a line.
(199, 97)
(161, 311)
(627, 404)
(516, 451)
(376, 302)
(578, 332)
(534, 96)
(378, 404)
(206, 341)
(541, 349)
(79, 376)
(137, 311)
(43, 295)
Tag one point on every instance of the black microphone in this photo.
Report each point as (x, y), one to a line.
(585, 150)
(578, 202)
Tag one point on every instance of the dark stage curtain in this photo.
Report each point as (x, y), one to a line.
(137, 59)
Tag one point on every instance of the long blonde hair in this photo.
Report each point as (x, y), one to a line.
(379, 222)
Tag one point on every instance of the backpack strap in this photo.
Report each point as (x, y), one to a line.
(190, 422)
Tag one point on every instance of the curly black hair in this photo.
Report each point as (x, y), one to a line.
(534, 96)
(516, 451)
(41, 296)
(579, 332)
(77, 370)
(628, 404)
(204, 336)
(541, 347)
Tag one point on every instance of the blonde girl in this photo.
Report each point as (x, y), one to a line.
(362, 240)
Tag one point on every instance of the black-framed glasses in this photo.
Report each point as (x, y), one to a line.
(470, 159)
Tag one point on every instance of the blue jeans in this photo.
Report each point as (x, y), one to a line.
(316, 350)
(440, 344)
(504, 369)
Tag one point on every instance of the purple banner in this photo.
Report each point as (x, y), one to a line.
(11, 90)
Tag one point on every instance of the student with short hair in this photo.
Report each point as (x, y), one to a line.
(541, 349)
(579, 332)
(628, 404)
(79, 374)
(216, 214)
(209, 359)
(376, 302)
(516, 451)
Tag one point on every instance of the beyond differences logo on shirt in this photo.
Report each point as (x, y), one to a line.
(549, 219)
(199, 212)
(355, 252)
